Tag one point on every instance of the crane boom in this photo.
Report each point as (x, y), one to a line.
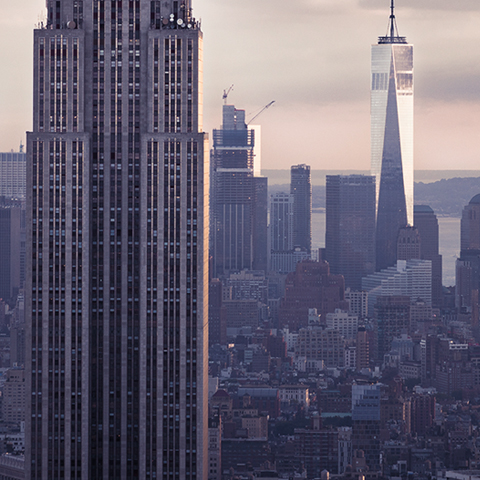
(261, 111)
(225, 94)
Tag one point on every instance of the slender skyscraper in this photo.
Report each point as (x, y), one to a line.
(427, 224)
(392, 139)
(301, 189)
(117, 224)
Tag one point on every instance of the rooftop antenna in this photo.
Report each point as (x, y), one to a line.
(392, 19)
(393, 22)
(21, 147)
(392, 32)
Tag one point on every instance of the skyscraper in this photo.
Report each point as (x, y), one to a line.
(117, 236)
(12, 174)
(238, 198)
(468, 265)
(392, 139)
(350, 227)
(301, 189)
(281, 222)
(12, 248)
(426, 222)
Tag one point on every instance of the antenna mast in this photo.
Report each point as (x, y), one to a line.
(392, 19)
(392, 31)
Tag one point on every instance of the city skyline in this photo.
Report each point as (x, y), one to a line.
(311, 99)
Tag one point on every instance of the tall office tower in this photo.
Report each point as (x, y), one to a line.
(468, 265)
(281, 233)
(237, 218)
(117, 244)
(409, 243)
(423, 413)
(260, 224)
(350, 227)
(366, 423)
(281, 222)
(363, 349)
(12, 248)
(470, 226)
(426, 222)
(392, 139)
(301, 189)
(12, 174)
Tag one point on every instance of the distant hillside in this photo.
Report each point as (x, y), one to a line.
(446, 197)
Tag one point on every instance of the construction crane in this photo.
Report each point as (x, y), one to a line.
(226, 93)
(261, 111)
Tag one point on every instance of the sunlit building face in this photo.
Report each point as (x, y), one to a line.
(392, 141)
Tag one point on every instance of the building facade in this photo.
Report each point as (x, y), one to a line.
(13, 174)
(301, 189)
(350, 227)
(412, 278)
(12, 248)
(392, 140)
(366, 423)
(409, 243)
(117, 236)
(13, 396)
(311, 286)
(392, 318)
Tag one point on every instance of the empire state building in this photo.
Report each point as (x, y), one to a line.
(392, 139)
(117, 178)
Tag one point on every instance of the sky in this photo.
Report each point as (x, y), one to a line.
(313, 58)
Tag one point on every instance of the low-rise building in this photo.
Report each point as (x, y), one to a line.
(294, 394)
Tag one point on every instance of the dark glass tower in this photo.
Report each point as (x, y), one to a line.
(468, 265)
(350, 227)
(392, 139)
(426, 222)
(301, 189)
(117, 235)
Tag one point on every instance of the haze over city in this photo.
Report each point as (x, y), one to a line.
(313, 58)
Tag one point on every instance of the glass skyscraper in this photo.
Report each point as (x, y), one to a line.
(392, 139)
(238, 199)
(350, 227)
(301, 189)
(117, 237)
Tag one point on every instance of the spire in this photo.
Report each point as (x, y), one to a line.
(392, 32)
(393, 23)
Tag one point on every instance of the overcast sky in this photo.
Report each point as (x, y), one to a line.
(313, 58)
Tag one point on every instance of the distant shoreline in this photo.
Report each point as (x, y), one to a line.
(282, 176)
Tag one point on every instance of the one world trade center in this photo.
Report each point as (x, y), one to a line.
(392, 139)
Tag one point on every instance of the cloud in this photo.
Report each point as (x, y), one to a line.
(438, 5)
